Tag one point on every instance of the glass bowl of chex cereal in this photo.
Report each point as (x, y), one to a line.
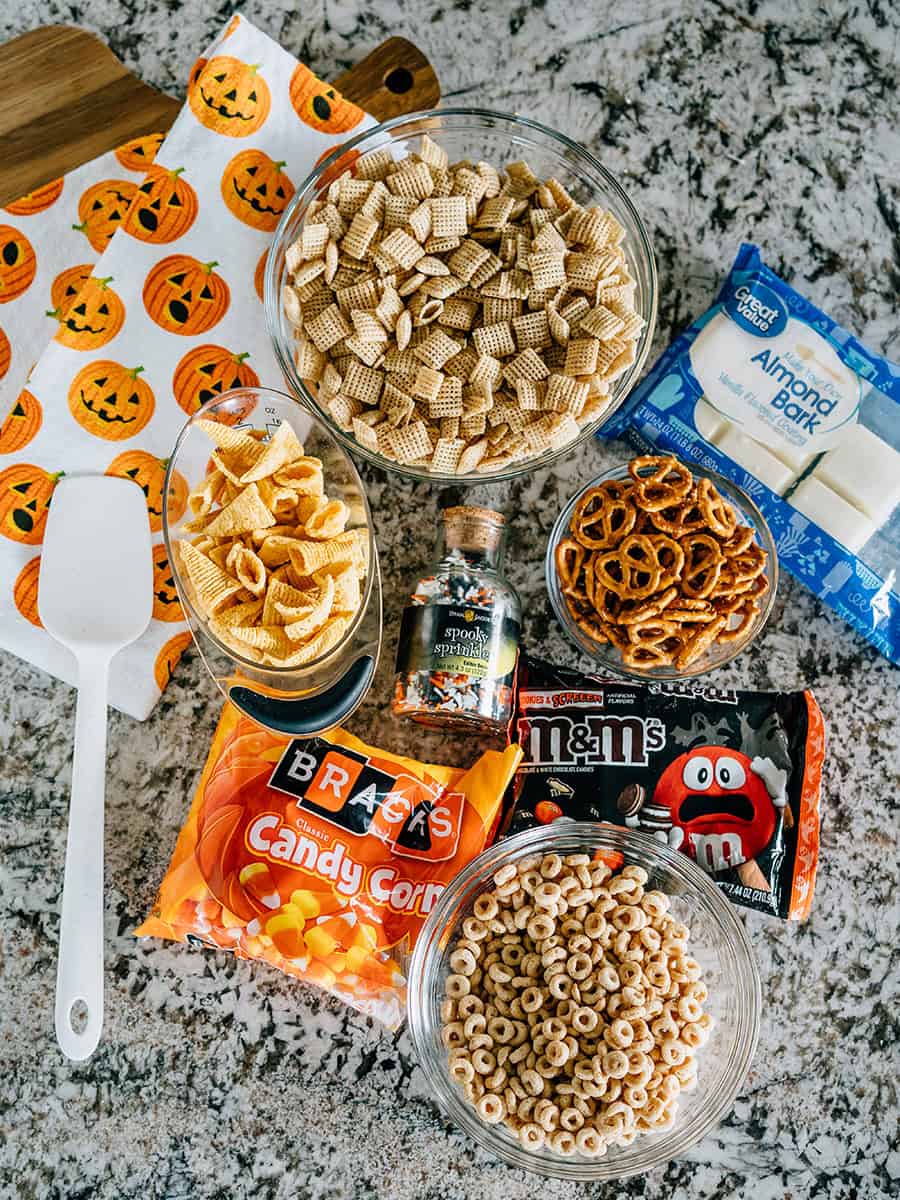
(461, 294)
(584, 1001)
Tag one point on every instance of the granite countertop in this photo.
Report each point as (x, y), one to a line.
(216, 1078)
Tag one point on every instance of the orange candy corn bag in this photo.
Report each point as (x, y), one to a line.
(323, 855)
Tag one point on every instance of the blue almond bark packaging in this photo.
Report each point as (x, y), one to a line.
(775, 395)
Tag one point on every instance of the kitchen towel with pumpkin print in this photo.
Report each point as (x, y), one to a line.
(169, 316)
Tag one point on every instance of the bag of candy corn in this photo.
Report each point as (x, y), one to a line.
(323, 856)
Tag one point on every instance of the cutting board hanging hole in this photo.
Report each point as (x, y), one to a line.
(398, 81)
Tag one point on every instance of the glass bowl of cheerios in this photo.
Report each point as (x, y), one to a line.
(461, 295)
(584, 1002)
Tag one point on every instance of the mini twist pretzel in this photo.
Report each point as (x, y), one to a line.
(747, 612)
(733, 582)
(693, 605)
(650, 608)
(632, 570)
(740, 540)
(617, 636)
(719, 515)
(759, 586)
(691, 616)
(593, 627)
(601, 519)
(727, 585)
(578, 604)
(699, 642)
(702, 565)
(569, 559)
(607, 604)
(590, 578)
(679, 519)
(644, 522)
(597, 629)
(725, 606)
(666, 482)
(749, 563)
(652, 631)
(616, 489)
(670, 556)
(647, 654)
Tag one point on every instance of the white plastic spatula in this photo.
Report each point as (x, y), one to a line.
(95, 595)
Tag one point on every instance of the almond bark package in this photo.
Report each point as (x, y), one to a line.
(774, 394)
(323, 856)
(731, 778)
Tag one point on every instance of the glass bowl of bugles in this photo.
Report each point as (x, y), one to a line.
(584, 1001)
(461, 295)
(661, 570)
(269, 536)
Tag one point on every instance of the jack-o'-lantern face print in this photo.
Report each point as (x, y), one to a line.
(230, 97)
(164, 209)
(321, 106)
(25, 492)
(337, 168)
(17, 263)
(256, 189)
(166, 605)
(21, 423)
(168, 657)
(25, 591)
(139, 153)
(111, 401)
(185, 296)
(38, 200)
(149, 473)
(259, 277)
(205, 373)
(102, 209)
(195, 73)
(67, 285)
(92, 319)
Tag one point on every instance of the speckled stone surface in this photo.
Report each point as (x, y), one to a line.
(218, 1079)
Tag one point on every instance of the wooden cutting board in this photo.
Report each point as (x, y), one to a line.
(65, 98)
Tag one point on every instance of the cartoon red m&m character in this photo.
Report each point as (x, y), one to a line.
(723, 805)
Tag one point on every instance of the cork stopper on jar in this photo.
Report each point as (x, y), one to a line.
(473, 529)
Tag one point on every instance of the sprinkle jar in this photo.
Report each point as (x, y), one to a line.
(459, 634)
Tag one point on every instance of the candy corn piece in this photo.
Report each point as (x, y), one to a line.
(257, 881)
(286, 931)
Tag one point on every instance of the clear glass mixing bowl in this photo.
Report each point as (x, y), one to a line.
(718, 942)
(607, 657)
(497, 138)
(340, 677)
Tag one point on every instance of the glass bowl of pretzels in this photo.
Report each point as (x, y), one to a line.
(461, 295)
(661, 570)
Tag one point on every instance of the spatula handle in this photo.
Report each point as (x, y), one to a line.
(80, 970)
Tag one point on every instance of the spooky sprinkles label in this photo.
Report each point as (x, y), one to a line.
(459, 639)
